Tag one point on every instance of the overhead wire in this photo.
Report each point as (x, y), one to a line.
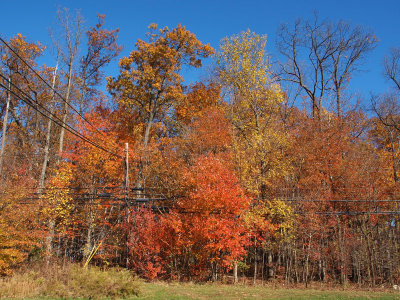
(32, 103)
(45, 82)
(65, 126)
(56, 93)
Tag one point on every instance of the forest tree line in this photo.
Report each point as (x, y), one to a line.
(267, 169)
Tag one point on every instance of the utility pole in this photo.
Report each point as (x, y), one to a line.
(126, 170)
(126, 197)
(5, 121)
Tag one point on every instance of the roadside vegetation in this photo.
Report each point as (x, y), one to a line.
(70, 281)
(267, 170)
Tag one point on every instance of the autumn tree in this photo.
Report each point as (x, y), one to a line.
(94, 167)
(386, 126)
(18, 240)
(20, 83)
(150, 82)
(212, 219)
(198, 127)
(199, 98)
(57, 205)
(244, 71)
(46, 148)
(102, 48)
(147, 242)
(67, 43)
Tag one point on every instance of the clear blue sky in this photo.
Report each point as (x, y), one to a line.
(213, 20)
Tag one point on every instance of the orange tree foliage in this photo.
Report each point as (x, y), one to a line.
(149, 81)
(199, 98)
(212, 227)
(92, 164)
(93, 167)
(28, 51)
(102, 48)
(333, 162)
(210, 133)
(19, 232)
(205, 231)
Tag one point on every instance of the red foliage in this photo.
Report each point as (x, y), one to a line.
(145, 243)
(211, 216)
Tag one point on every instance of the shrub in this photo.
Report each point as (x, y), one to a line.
(70, 282)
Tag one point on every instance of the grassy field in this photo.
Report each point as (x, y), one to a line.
(214, 291)
(74, 282)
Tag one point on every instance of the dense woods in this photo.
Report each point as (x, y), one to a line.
(268, 169)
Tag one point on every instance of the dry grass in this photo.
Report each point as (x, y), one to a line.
(70, 281)
(74, 282)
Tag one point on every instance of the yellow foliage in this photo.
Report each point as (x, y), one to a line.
(272, 217)
(56, 199)
(260, 140)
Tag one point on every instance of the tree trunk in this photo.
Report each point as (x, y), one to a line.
(255, 261)
(394, 159)
(339, 103)
(235, 272)
(83, 93)
(65, 109)
(5, 121)
(146, 139)
(307, 260)
(214, 272)
(270, 266)
(49, 240)
(48, 134)
(343, 276)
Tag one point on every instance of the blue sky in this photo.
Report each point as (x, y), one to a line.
(213, 20)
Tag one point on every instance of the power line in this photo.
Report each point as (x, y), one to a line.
(368, 201)
(70, 128)
(37, 74)
(117, 200)
(41, 78)
(62, 124)
(355, 213)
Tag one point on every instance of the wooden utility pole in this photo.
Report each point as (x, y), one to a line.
(126, 197)
(5, 121)
(126, 170)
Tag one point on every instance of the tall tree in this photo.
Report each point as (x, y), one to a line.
(244, 71)
(68, 46)
(391, 66)
(213, 215)
(102, 48)
(22, 83)
(321, 57)
(150, 82)
(48, 131)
